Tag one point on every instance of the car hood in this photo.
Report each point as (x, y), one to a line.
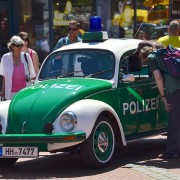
(42, 102)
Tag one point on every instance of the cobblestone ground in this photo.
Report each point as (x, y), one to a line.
(138, 161)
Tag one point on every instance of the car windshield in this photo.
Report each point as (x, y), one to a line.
(81, 63)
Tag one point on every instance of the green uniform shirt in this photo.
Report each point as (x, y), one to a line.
(155, 62)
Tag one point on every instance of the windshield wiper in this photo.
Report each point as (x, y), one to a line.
(68, 74)
(98, 73)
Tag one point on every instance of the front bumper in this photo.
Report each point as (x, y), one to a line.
(42, 138)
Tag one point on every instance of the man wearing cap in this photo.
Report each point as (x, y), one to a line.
(169, 90)
(173, 38)
(141, 45)
(15, 68)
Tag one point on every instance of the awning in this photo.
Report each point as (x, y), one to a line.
(150, 3)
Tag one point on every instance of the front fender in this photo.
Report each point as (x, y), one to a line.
(87, 112)
(4, 107)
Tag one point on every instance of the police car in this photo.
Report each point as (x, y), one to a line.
(88, 96)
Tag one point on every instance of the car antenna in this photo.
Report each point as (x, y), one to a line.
(143, 21)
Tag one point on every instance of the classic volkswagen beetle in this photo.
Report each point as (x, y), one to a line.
(88, 96)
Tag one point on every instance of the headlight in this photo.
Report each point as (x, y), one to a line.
(68, 121)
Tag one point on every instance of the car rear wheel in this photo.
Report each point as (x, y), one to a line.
(4, 162)
(98, 149)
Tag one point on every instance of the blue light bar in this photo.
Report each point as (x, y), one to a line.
(95, 24)
(96, 34)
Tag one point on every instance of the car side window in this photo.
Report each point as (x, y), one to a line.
(130, 64)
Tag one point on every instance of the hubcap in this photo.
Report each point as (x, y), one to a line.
(103, 142)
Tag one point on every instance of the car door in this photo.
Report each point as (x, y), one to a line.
(141, 107)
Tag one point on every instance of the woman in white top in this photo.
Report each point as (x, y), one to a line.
(15, 69)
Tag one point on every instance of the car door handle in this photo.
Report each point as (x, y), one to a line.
(154, 87)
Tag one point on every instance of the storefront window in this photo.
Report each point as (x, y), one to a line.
(33, 17)
(151, 18)
(65, 11)
(4, 27)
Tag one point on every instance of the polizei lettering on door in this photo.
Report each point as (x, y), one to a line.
(138, 107)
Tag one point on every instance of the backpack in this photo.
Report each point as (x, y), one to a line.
(171, 59)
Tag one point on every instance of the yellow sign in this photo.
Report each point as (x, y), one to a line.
(125, 19)
(150, 3)
(128, 14)
(68, 7)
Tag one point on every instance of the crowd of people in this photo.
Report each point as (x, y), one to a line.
(21, 65)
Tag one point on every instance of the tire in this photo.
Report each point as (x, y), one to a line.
(98, 155)
(6, 162)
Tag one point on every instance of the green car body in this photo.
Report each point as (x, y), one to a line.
(71, 108)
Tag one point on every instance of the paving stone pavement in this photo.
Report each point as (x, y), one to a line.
(144, 167)
(138, 161)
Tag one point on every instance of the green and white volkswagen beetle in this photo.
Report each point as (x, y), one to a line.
(88, 96)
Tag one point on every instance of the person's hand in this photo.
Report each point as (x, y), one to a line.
(167, 106)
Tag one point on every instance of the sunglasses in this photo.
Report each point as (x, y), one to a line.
(25, 39)
(18, 45)
(72, 29)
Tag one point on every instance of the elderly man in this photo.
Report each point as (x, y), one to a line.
(173, 38)
(72, 35)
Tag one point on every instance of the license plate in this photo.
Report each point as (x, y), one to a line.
(19, 152)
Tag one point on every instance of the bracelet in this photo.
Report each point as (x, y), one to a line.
(163, 96)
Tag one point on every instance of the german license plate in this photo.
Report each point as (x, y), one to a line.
(19, 152)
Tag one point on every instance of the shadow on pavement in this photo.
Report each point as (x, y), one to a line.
(143, 152)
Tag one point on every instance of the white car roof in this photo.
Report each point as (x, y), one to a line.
(114, 45)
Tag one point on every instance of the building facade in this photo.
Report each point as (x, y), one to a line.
(47, 20)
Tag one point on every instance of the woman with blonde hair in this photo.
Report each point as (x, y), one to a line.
(16, 69)
(26, 48)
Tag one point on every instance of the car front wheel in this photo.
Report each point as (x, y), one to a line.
(98, 149)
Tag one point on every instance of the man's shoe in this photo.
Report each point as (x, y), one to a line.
(168, 156)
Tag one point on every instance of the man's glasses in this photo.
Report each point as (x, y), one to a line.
(72, 29)
(18, 45)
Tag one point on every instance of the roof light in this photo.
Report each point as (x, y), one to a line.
(95, 24)
(96, 34)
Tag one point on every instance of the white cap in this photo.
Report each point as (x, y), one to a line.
(15, 40)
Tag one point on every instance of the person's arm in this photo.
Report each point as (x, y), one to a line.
(59, 44)
(31, 70)
(35, 62)
(3, 87)
(160, 84)
(2, 93)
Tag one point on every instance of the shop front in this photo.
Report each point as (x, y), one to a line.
(47, 20)
(128, 16)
